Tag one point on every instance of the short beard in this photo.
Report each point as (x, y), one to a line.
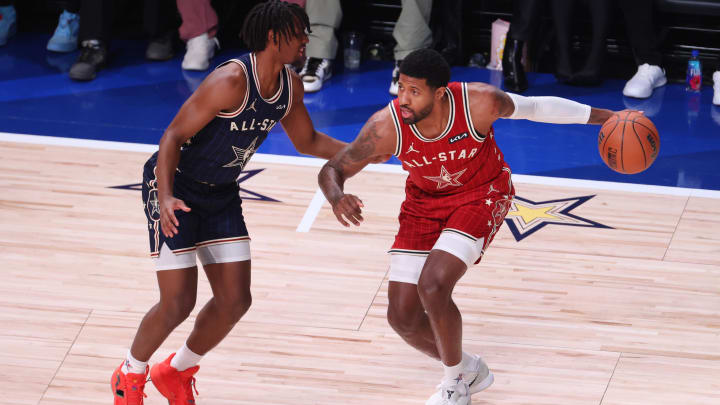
(419, 117)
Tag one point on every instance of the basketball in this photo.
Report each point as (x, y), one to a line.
(628, 142)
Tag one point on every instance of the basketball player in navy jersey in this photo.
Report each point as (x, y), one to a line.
(457, 194)
(192, 198)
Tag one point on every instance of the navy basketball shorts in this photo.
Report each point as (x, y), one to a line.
(214, 230)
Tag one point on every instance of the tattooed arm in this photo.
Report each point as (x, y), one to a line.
(376, 141)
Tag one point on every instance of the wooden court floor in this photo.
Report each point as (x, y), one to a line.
(620, 314)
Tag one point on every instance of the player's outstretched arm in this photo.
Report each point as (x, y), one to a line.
(375, 142)
(222, 90)
(556, 110)
(300, 129)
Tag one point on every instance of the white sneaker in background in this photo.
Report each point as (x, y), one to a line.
(315, 72)
(200, 50)
(716, 88)
(395, 78)
(642, 84)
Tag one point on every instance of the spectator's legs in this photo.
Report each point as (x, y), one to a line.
(198, 29)
(412, 29)
(96, 18)
(590, 73)
(641, 32)
(562, 11)
(161, 27)
(525, 18)
(412, 32)
(198, 17)
(325, 17)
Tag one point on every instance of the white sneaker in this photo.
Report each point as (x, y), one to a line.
(395, 78)
(200, 50)
(715, 114)
(476, 375)
(647, 78)
(716, 88)
(453, 392)
(315, 72)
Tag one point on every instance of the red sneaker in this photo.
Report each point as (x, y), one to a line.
(128, 389)
(176, 386)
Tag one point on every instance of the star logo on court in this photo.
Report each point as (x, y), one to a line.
(245, 194)
(526, 217)
(242, 155)
(446, 178)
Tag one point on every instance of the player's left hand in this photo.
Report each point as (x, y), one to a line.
(348, 207)
(168, 221)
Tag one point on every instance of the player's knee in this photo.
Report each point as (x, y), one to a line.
(178, 308)
(433, 292)
(235, 307)
(404, 319)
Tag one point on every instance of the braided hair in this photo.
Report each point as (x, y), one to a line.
(282, 18)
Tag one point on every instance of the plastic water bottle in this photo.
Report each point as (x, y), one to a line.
(694, 73)
(352, 50)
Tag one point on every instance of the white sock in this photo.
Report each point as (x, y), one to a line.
(133, 365)
(184, 359)
(452, 372)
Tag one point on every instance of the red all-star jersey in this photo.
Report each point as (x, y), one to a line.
(459, 160)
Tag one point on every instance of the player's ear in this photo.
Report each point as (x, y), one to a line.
(439, 93)
(271, 38)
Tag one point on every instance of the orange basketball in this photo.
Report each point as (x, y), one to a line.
(628, 142)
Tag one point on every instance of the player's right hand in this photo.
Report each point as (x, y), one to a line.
(168, 221)
(348, 208)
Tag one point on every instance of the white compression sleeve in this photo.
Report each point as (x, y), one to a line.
(554, 110)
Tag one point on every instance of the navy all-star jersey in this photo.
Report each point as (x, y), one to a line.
(219, 151)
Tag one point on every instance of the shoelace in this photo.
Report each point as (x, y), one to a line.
(312, 67)
(189, 388)
(135, 394)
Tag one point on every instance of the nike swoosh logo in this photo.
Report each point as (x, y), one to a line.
(474, 379)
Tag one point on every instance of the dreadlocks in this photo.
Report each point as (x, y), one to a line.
(280, 17)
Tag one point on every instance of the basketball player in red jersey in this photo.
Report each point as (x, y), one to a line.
(458, 192)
